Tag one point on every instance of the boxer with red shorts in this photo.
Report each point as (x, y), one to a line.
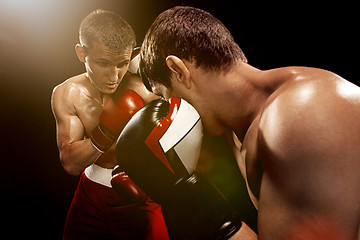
(108, 215)
(91, 110)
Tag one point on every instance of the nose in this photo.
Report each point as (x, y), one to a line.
(113, 74)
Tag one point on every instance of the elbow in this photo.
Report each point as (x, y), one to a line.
(70, 168)
(71, 171)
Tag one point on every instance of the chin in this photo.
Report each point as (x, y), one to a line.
(109, 91)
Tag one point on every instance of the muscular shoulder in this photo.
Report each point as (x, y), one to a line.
(309, 135)
(71, 86)
(313, 109)
(66, 94)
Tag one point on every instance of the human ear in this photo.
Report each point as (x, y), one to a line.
(178, 67)
(80, 52)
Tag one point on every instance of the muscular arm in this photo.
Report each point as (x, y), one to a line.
(309, 143)
(76, 153)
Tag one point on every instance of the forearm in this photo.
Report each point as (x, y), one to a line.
(76, 156)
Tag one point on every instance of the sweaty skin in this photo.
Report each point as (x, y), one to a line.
(296, 139)
(301, 155)
(78, 102)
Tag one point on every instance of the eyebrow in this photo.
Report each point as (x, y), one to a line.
(102, 59)
(123, 61)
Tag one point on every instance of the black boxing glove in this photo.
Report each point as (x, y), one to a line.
(159, 150)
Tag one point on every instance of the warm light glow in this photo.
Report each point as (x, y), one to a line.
(348, 90)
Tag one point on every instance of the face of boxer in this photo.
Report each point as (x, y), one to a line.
(104, 67)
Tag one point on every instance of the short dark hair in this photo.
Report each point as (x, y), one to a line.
(108, 28)
(188, 33)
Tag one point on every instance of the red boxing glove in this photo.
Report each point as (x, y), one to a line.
(124, 187)
(114, 117)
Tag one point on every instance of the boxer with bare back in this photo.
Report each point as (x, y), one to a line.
(295, 130)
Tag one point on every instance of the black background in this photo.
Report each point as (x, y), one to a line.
(37, 39)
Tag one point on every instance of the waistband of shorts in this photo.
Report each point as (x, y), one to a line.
(99, 174)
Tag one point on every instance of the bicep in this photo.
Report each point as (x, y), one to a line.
(299, 185)
(69, 127)
(69, 130)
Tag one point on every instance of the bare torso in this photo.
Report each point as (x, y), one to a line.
(301, 155)
(77, 105)
(88, 109)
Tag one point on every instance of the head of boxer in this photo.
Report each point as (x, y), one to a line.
(106, 43)
(183, 39)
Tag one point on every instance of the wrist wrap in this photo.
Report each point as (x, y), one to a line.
(101, 139)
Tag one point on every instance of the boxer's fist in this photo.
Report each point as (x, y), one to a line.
(134, 61)
(159, 149)
(125, 188)
(114, 117)
(161, 145)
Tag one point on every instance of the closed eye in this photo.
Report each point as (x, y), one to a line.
(103, 63)
(122, 64)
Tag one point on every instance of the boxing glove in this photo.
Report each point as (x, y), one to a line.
(114, 117)
(125, 188)
(134, 61)
(159, 149)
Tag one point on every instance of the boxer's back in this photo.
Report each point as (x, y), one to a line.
(307, 145)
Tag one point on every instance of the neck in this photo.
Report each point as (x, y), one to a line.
(97, 94)
(244, 92)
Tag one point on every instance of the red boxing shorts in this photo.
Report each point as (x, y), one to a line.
(97, 212)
